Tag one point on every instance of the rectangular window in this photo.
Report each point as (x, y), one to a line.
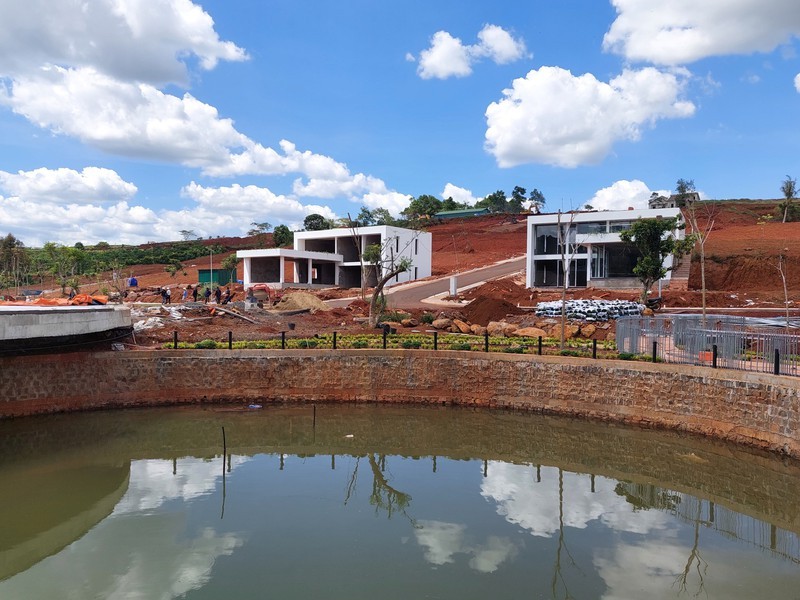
(416, 247)
(617, 226)
(397, 243)
(590, 228)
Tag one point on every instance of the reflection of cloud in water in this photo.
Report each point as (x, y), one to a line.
(654, 568)
(535, 506)
(442, 541)
(152, 482)
(133, 554)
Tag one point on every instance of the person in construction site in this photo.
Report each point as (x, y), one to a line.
(218, 295)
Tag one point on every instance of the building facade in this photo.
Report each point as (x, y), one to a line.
(331, 258)
(585, 247)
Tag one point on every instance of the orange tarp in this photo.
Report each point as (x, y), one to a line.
(78, 300)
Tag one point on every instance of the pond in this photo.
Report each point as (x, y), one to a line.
(371, 502)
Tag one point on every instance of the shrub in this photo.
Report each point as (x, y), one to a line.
(461, 346)
(360, 344)
(206, 345)
(514, 349)
(627, 356)
(393, 316)
(411, 344)
(567, 352)
(426, 318)
(307, 344)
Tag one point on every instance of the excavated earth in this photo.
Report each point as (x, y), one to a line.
(742, 270)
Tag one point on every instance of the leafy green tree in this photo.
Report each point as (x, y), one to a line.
(450, 204)
(383, 217)
(517, 198)
(495, 202)
(282, 236)
(188, 234)
(655, 239)
(230, 263)
(315, 222)
(365, 217)
(537, 201)
(789, 191)
(423, 206)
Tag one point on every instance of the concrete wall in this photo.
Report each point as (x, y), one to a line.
(756, 409)
(33, 322)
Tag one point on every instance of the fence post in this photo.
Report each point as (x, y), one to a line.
(540, 345)
(230, 340)
(435, 340)
(655, 351)
(283, 340)
(777, 368)
(175, 340)
(594, 348)
(334, 340)
(385, 331)
(714, 356)
(486, 342)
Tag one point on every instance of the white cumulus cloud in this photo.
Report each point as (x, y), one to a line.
(553, 117)
(141, 40)
(448, 56)
(797, 82)
(459, 194)
(624, 194)
(92, 184)
(683, 31)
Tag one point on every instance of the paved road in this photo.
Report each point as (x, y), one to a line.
(412, 294)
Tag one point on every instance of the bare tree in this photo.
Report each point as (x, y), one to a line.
(781, 267)
(565, 243)
(789, 191)
(708, 212)
(387, 265)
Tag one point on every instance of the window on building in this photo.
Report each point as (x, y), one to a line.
(594, 227)
(617, 226)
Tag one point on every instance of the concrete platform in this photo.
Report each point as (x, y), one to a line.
(40, 327)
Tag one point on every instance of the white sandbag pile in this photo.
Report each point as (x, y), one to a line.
(590, 310)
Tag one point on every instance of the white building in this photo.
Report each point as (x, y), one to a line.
(593, 251)
(330, 258)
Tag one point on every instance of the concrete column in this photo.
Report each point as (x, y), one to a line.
(282, 270)
(246, 273)
(309, 272)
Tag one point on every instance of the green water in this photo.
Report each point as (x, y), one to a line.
(381, 502)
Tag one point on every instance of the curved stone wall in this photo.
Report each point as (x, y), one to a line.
(751, 408)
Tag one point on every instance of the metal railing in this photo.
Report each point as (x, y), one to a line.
(718, 340)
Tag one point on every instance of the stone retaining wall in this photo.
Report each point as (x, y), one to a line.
(751, 408)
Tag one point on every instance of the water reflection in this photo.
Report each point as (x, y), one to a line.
(376, 501)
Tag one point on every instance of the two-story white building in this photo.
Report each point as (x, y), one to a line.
(330, 258)
(592, 249)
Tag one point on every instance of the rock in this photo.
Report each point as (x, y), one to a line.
(588, 330)
(442, 324)
(462, 326)
(409, 322)
(611, 337)
(533, 332)
(510, 328)
(496, 328)
(478, 330)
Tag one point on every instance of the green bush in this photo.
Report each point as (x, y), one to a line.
(461, 346)
(567, 352)
(627, 356)
(394, 317)
(307, 344)
(411, 344)
(426, 318)
(360, 344)
(206, 345)
(514, 349)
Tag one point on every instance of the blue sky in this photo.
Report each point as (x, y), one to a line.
(131, 120)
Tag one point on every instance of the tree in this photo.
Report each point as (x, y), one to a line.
(386, 266)
(282, 236)
(789, 191)
(260, 230)
(188, 234)
(423, 206)
(383, 217)
(684, 190)
(656, 240)
(537, 201)
(365, 217)
(450, 204)
(230, 263)
(517, 198)
(495, 202)
(315, 222)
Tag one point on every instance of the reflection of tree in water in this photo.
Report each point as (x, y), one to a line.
(384, 496)
(694, 556)
(558, 576)
(647, 496)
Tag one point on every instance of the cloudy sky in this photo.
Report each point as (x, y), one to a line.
(131, 120)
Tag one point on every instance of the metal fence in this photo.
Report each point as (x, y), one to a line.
(718, 340)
